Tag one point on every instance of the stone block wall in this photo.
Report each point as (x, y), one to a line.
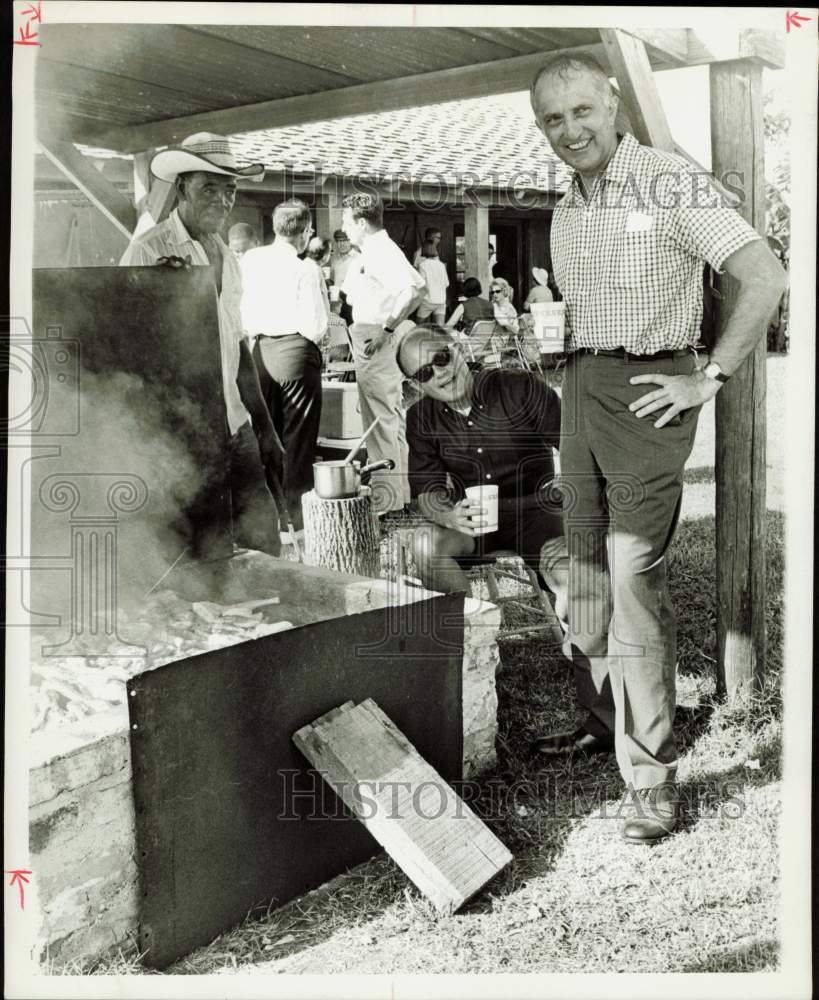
(82, 828)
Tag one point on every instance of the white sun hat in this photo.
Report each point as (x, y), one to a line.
(541, 276)
(202, 151)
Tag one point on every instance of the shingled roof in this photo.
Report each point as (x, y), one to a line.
(486, 141)
(480, 142)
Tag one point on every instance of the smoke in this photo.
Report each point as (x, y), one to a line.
(128, 479)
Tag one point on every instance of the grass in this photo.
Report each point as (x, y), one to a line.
(575, 899)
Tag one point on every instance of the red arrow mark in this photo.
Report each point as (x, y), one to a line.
(18, 875)
(794, 19)
(27, 36)
(34, 13)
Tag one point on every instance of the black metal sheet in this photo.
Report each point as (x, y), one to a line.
(160, 325)
(219, 828)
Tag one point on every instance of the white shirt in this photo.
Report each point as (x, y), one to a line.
(282, 295)
(340, 265)
(377, 278)
(434, 271)
(171, 239)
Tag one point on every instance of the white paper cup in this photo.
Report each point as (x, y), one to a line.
(549, 326)
(335, 293)
(486, 497)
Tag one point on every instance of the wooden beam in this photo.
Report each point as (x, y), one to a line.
(153, 198)
(763, 47)
(632, 70)
(737, 142)
(476, 244)
(502, 76)
(667, 44)
(98, 189)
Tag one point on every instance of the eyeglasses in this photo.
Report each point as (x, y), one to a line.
(440, 359)
(495, 291)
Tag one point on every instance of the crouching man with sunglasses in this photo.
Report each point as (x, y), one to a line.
(491, 427)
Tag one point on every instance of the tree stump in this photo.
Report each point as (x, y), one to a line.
(341, 535)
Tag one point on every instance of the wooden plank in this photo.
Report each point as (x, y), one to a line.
(436, 839)
(98, 189)
(499, 77)
(632, 70)
(737, 143)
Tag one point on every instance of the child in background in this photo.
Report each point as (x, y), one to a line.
(433, 270)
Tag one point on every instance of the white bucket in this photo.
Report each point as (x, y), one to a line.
(549, 326)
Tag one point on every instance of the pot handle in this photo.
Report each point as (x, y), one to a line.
(385, 463)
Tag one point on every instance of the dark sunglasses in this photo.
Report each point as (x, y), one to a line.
(495, 291)
(440, 359)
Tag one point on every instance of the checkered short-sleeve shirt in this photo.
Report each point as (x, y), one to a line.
(629, 262)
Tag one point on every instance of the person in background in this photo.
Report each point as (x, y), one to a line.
(318, 252)
(337, 345)
(383, 288)
(431, 235)
(344, 253)
(473, 307)
(433, 271)
(241, 238)
(285, 315)
(540, 291)
(500, 295)
(204, 171)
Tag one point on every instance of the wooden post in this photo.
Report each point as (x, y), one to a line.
(329, 210)
(476, 244)
(737, 143)
(80, 170)
(632, 69)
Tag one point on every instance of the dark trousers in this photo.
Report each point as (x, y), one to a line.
(290, 376)
(622, 485)
(255, 518)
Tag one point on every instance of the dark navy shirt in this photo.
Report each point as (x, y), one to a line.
(506, 439)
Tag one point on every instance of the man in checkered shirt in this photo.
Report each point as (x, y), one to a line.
(629, 242)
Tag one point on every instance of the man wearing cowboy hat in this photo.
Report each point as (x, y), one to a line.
(204, 172)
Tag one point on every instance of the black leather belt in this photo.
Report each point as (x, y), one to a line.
(624, 355)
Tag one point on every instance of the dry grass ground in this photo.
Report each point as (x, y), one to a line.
(575, 898)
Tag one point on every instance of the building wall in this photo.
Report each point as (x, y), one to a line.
(70, 232)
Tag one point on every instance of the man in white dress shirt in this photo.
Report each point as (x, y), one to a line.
(383, 288)
(285, 317)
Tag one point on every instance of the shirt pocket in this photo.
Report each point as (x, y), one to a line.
(635, 259)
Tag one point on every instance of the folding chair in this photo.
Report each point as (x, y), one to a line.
(481, 345)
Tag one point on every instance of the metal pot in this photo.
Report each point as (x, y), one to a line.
(339, 480)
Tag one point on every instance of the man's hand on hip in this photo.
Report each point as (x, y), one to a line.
(374, 343)
(676, 392)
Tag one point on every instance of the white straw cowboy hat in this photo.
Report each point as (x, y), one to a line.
(202, 151)
(541, 275)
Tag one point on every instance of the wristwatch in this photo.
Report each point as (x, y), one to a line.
(713, 371)
(388, 329)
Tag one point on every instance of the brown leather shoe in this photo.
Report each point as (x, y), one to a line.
(580, 741)
(658, 814)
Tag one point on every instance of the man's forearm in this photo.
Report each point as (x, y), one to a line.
(761, 284)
